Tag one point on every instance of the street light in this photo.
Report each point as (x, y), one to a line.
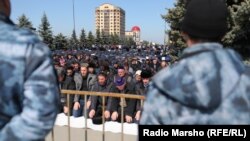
(73, 3)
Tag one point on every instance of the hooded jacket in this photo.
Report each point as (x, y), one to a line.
(29, 94)
(210, 85)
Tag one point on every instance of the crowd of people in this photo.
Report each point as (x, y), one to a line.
(108, 71)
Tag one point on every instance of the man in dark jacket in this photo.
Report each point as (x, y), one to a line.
(155, 66)
(209, 85)
(68, 84)
(129, 104)
(97, 101)
(141, 89)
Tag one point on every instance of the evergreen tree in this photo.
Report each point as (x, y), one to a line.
(129, 42)
(238, 23)
(116, 40)
(83, 40)
(145, 43)
(239, 26)
(99, 38)
(174, 18)
(24, 22)
(106, 39)
(45, 31)
(60, 41)
(112, 39)
(73, 40)
(91, 39)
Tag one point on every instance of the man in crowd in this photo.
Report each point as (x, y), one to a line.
(209, 85)
(137, 77)
(123, 74)
(97, 101)
(155, 66)
(29, 94)
(68, 84)
(84, 82)
(141, 89)
(128, 104)
(135, 64)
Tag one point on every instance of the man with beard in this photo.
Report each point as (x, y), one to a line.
(121, 86)
(68, 84)
(103, 85)
(84, 82)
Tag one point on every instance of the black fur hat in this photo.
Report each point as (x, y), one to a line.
(146, 73)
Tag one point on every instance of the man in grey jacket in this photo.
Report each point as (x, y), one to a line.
(84, 82)
(29, 94)
(209, 85)
(95, 110)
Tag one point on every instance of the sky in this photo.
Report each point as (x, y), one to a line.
(143, 13)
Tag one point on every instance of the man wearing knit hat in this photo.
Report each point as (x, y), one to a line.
(29, 94)
(121, 86)
(209, 85)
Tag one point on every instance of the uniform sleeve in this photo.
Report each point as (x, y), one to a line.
(41, 98)
(156, 108)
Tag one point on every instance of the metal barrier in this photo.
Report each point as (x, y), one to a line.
(103, 95)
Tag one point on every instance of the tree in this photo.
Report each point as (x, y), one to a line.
(99, 39)
(83, 40)
(239, 26)
(145, 43)
(24, 22)
(174, 17)
(60, 41)
(106, 39)
(238, 22)
(116, 40)
(129, 42)
(73, 40)
(45, 31)
(91, 39)
(112, 39)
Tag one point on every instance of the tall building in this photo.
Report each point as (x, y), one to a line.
(110, 20)
(135, 34)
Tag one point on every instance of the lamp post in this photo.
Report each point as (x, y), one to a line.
(73, 3)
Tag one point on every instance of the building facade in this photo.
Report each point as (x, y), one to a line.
(135, 34)
(110, 20)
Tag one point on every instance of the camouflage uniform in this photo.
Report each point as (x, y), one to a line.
(210, 85)
(28, 86)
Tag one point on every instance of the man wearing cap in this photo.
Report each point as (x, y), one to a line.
(155, 66)
(135, 64)
(29, 94)
(121, 86)
(141, 89)
(137, 77)
(124, 74)
(164, 63)
(209, 85)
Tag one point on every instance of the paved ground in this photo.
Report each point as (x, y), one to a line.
(61, 134)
